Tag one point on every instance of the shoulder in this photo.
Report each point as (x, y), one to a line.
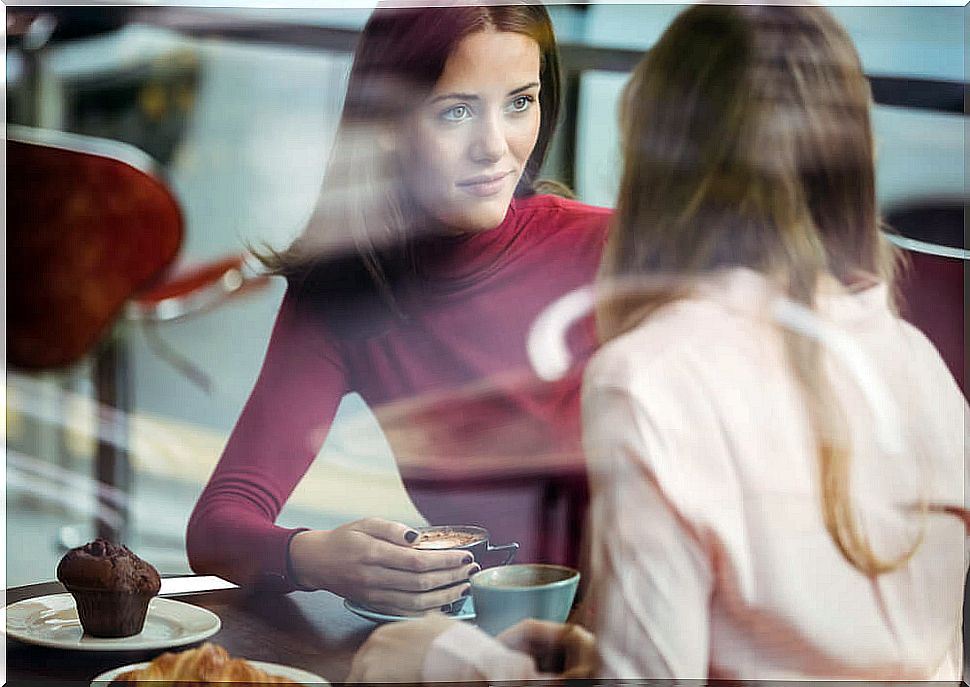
(678, 336)
(655, 375)
(914, 349)
(338, 296)
(649, 414)
(546, 204)
(652, 404)
(666, 377)
(919, 344)
(563, 214)
(869, 316)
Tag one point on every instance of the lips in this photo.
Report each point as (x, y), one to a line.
(485, 184)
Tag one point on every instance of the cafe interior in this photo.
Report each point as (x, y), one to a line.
(216, 123)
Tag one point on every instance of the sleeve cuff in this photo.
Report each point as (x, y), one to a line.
(278, 577)
(291, 578)
(465, 653)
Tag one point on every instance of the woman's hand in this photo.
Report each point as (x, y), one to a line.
(567, 651)
(373, 562)
(395, 652)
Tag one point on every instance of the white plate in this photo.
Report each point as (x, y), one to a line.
(52, 621)
(467, 613)
(294, 674)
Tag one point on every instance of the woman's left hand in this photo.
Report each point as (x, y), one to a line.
(395, 652)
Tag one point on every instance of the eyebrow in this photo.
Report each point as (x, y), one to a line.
(472, 96)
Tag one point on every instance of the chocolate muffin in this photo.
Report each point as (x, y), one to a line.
(111, 587)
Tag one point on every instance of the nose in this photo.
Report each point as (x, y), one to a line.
(490, 143)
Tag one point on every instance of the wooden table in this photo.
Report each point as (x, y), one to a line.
(308, 630)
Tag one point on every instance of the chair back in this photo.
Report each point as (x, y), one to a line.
(933, 284)
(89, 222)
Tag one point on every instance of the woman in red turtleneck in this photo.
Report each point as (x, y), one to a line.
(448, 115)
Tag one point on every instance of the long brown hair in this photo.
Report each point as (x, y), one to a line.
(748, 143)
(363, 211)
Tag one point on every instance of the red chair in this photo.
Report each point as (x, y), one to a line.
(91, 230)
(933, 285)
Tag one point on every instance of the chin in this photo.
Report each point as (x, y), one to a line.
(472, 216)
(486, 216)
(479, 224)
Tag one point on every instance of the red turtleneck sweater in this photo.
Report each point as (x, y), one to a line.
(473, 430)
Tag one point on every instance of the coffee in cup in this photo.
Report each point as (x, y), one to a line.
(446, 538)
(469, 538)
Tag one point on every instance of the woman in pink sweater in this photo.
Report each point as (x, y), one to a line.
(775, 456)
(429, 255)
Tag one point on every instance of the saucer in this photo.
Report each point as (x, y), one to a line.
(467, 612)
(52, 621)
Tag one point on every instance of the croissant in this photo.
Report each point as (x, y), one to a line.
(207, 664)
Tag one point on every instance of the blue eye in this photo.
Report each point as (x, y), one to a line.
(521, 103)
(456, 114)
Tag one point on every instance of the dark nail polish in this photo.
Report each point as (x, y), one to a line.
(467, 592)
(467, 560)
(411, 536)
(445, 608)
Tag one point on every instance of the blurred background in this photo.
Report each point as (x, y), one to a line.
(237, 108)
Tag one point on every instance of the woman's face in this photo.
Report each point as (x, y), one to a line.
(467, 145)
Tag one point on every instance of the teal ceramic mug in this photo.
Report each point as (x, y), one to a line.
(504, 596)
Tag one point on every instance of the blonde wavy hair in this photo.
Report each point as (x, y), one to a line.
(748, 142)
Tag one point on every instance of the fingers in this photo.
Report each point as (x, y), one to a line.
(555, 648)
(577, 640)
(581, 656)
(391, 548)
(531, 634)
(576, 636)
(377, 577)
(416, 560)
(409, 603)
(387, 530)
